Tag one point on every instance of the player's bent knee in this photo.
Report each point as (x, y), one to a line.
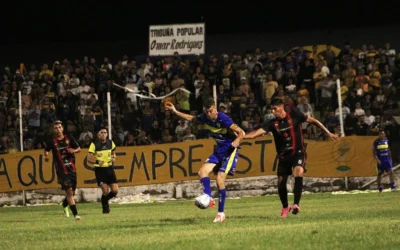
(70, 192)
(205, 170)
(299, 171)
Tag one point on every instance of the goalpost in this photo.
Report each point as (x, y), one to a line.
(346, 180)
(21, 136)
(109, 115)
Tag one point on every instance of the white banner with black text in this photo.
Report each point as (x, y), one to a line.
(185, 39)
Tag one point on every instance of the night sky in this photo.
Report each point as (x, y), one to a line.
(33, 23)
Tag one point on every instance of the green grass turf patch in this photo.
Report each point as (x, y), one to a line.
(326, 221)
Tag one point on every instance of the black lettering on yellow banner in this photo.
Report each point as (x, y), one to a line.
(154, 160)
(177, 162)
(3, 171)
(24, 163)
(120, 167)
(192, 160)
(138, 163)
(42, 172)
(262, 153)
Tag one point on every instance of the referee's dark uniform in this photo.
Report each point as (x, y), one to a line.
(104, 170)
(105, 174)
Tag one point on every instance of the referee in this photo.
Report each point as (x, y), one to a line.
(102, 156)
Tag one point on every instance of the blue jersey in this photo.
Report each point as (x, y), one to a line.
(381, 148)
(220, 128)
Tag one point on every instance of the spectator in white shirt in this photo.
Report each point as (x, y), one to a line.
(324, 68)
(358, 111)
(92, 93)
(291, 89)
(74, 81)
(390, 53)
(143, 71)
(27, 84)
(62, 86)
(85, 133)
(82, 109)
(369, 118)
(131, 95)
(345, 111)
(180, 130)
(188, 136)
(107, 64)
(84, 90)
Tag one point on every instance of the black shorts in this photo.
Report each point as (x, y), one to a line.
(105, 175)
(67, 181)
(288, 162)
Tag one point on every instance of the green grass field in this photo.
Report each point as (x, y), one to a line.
(352, 221)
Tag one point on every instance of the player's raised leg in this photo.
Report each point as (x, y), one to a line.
(203, 173)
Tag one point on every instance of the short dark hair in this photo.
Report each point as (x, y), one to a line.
(57, 122)
(207, 104)
(277, 101)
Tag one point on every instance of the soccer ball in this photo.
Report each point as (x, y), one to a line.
(202, 201)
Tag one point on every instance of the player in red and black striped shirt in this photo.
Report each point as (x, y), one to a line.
(63, 148)
(287, 130)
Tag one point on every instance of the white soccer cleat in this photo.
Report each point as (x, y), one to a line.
(219, 218)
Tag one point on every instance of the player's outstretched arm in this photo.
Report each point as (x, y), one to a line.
(255, 133)
(169, 106)
(240, 135)
(314, 121)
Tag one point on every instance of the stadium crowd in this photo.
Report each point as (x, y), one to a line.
(76, 93)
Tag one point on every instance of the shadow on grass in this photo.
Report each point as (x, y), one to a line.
(15, 221)
(247, 217)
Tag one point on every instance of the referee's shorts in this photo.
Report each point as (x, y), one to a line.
(105, 175)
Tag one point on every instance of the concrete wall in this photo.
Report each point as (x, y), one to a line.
(254, 186)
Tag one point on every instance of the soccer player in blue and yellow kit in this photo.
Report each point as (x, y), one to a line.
(383, 157)
(227, 135)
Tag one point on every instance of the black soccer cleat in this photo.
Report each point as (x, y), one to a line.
(106, 209)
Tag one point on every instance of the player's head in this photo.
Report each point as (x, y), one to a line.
(382, 134)
(211, 110)
(278, 107)
(102, 134)
(58, 128)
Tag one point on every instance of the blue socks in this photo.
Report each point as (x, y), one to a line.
(206, 185)
(221, 193)
(221, 200)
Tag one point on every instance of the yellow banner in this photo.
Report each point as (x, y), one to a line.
(350, 157)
